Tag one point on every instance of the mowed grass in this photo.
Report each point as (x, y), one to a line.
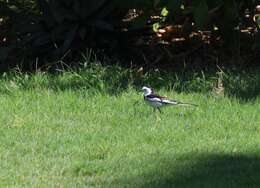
(81, 138)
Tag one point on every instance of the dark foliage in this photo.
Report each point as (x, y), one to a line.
(61, 29)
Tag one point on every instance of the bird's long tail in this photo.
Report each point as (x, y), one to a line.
(172, 102)
(186, 104)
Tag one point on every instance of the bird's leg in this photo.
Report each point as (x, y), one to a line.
(157, 115)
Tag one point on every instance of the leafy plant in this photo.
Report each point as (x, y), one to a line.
(57, 28)
(63, 25)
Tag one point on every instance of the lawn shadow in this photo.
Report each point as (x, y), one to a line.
(235, 170)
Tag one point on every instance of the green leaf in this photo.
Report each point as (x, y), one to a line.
(201, 14)
(156, 26)
(164, 12)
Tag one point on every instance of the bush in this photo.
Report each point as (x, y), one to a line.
(55, 28)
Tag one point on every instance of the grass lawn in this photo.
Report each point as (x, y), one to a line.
(80, 138)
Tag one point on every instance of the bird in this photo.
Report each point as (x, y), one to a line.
(157, 101)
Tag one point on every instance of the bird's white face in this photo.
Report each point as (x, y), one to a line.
(146, 90)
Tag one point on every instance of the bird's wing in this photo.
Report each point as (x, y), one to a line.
(153, 99)
(167, 101)
(164, 100)
(155, 96)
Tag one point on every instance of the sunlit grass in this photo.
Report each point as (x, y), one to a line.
(62, 131)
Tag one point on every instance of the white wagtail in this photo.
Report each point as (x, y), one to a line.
(157, 101)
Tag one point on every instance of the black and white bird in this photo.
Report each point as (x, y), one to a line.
(157, 101)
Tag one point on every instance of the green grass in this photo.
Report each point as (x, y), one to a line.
(74, 130)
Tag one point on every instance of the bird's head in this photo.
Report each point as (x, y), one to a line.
(147, 90)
